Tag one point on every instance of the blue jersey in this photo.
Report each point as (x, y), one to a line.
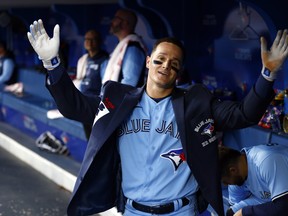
(241, 196)
(92, 81)
(132, 66)
(267, 176)
(7, 70)
(152, 156)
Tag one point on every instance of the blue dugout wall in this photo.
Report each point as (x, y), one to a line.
(222, 39)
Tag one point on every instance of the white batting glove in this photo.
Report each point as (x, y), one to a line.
(47, 48)
(274, 58)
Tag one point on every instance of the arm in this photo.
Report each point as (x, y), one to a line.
(8, 67)
(239, 197)
(237, 193)
(102, 68)
(133, 65)
(70, 102)
(250, 201)
(80, 71)
(240, 114)
(251, 109)
(274, 172)
(277, 207)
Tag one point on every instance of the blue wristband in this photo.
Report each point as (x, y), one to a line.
(267, 74)
(52, 63)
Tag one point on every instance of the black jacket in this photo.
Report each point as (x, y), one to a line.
(196, 110)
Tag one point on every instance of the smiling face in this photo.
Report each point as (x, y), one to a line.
(164, 64)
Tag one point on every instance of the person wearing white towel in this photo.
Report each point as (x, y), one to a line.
(127, 61)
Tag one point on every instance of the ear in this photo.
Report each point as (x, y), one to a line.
(148, 59)
(233, 170)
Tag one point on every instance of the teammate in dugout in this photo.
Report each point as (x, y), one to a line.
(256, 179)
(152, 148)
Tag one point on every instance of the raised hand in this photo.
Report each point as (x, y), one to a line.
(274, 58)
(47, 48)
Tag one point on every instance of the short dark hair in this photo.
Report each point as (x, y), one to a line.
(227, 158)
(97, 35)
(172, 40)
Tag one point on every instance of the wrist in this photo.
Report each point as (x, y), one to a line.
(268, 75)
(52, 63)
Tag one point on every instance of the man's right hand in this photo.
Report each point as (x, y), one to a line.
(47, 48)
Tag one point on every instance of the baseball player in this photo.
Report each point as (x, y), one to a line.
(257, 179)
(153, 148)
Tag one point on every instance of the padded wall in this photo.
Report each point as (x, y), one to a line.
(203, 26)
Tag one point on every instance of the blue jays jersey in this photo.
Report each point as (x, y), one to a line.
(91, 83)
(7, 70)
(267, 171)
(97, 185)
(240, 196)
(152, 156)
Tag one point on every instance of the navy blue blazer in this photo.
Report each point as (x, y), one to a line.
(198, 115)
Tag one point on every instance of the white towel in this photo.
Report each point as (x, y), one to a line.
(81, 70)
(113, 68)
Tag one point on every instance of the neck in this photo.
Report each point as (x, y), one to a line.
(155, 91)
(123, 35)
(92, 53)
(243, 161)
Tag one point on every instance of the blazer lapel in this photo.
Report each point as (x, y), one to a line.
(125, 108)
(178, 106)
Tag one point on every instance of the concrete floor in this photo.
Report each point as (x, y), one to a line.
(25, 191)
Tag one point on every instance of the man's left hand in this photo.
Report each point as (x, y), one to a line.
(274, 58)
(238, 213)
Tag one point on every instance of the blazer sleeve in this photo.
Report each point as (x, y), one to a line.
(277, 207)
(239, 114)
(69, 100)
